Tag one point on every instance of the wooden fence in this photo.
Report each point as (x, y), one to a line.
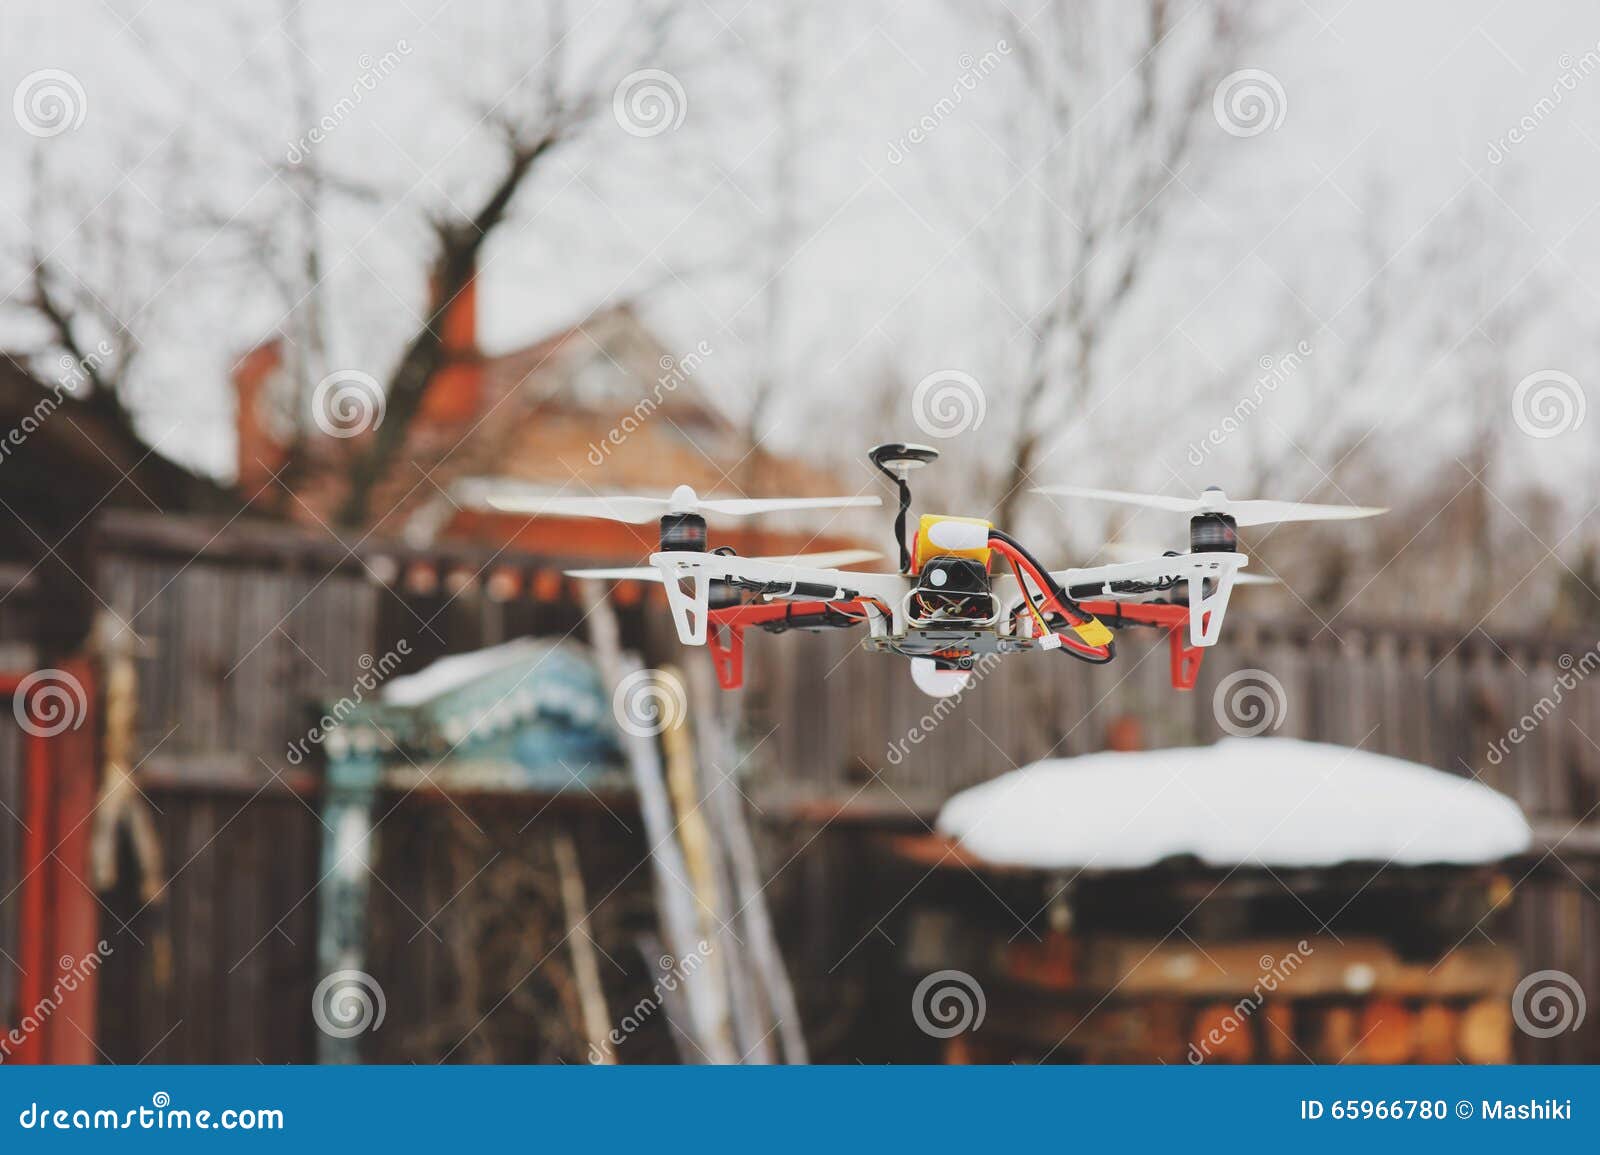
(848, 735)
(245, 633)
(843, 720)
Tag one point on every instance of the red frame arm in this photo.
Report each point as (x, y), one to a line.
(1183, 659)
(726, 626)
(725, 630)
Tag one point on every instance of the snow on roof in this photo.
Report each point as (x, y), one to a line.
(1253, 801)
(458, 670)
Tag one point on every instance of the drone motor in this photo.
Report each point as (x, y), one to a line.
(1213, 533)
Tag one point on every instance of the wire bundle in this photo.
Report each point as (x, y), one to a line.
(1053, 600)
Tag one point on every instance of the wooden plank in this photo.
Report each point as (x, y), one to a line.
(1357, 966)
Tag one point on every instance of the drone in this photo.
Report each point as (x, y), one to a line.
(966, 591)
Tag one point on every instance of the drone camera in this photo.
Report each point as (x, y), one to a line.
(952, 591)
(1213, 533)
(957, 576)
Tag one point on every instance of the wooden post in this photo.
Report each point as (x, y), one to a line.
(355, 770)
(585, 967)
(708, 873)
(707, 999)
(725, 803)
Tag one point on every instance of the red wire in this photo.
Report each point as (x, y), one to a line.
(1019, 563)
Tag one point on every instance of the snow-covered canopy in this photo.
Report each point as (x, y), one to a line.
(458, 670)
(1253, 801)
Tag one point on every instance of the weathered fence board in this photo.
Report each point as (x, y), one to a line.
(243, 642)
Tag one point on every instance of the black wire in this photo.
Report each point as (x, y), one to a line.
(1057, 594)
(900, 518)
(1055, 590)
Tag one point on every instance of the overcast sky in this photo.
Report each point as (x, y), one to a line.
(1389, 115)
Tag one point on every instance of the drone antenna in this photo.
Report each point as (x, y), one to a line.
(895, 461)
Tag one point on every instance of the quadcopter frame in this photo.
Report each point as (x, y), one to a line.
(879, 602)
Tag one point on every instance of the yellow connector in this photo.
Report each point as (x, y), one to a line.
(1093, 632)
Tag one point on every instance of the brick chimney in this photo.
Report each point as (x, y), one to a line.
(259, 421)
(456, 391)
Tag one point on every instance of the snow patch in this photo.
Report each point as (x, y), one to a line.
(1253, 801)
(456, 671)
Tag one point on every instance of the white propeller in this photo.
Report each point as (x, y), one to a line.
(641, 510)
(1213, 500)
(1120, 551)
(649, 573)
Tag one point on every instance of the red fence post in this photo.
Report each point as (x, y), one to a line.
(59, 912)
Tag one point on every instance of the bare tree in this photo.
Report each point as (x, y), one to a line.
(1108, 109)
(542, 110)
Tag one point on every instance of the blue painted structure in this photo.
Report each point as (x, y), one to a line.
(529, 717)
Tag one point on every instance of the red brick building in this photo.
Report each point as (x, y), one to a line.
(602, 407)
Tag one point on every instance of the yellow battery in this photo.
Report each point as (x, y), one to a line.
(939, 535)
